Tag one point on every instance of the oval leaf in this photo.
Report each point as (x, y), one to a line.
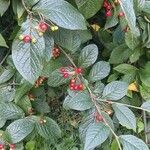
(49, 130)
(125, 116)
(115, 90)
(88, 56)
(18, 130)
(78, 101)
(131, 142)
(99, 71)
(96, 134)
(62, 13)
(27, 57)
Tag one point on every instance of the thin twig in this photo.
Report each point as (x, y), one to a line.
(68, 57)
(145, 126)
(99, 111)
(5, 57)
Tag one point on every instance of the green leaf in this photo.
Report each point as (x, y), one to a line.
(88, 56)
(49, 45)
(96, 134)
(108, 120)
(4, 6)
(146, 106)
(127, 7)
(56, 78)
(145, 74)
(115, 90)
(28, 57)
(2, 122)
(2, 40)
(88, 7)
(146, 7)
(78, 101)
(125, 68)
(6, 75)
(41, 106)
(10, 111)
(145, 92)
(131, 142)
(99, 71)
(62, 13)
(25, 104)
(131, 41)
(49, 130)
(72, 40)
(87, 121)
(24, 87)
(122, 51)
(112, 21)
(18, 130)
(7, 94)
(125, 116)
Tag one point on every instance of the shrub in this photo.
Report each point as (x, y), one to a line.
(91, 57)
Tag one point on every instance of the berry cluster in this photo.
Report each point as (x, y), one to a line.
(12, 146)
(76, 87)
(39, 81)
(98, 117)
(75, 84)
(55, 52)
(66, 72)
(108, 8)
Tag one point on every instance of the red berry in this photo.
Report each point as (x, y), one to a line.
(27, 38)
(78, 70)
(108, 7)
(62, 69)
(66, 75)
(80, 87)
(1, 146)
(72, 81)
(71, 88)
(121, 14)
(105, 4)
(98, 117)
(76, 87)
(108, 13)
(43, 26)
(72, 85)
(12, 146)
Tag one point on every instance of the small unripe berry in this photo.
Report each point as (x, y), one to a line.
(34, 40)
(27, 38)
(40, 33)
(54, 28)
(21, 37)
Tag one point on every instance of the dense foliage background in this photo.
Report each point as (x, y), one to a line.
(74, 74)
